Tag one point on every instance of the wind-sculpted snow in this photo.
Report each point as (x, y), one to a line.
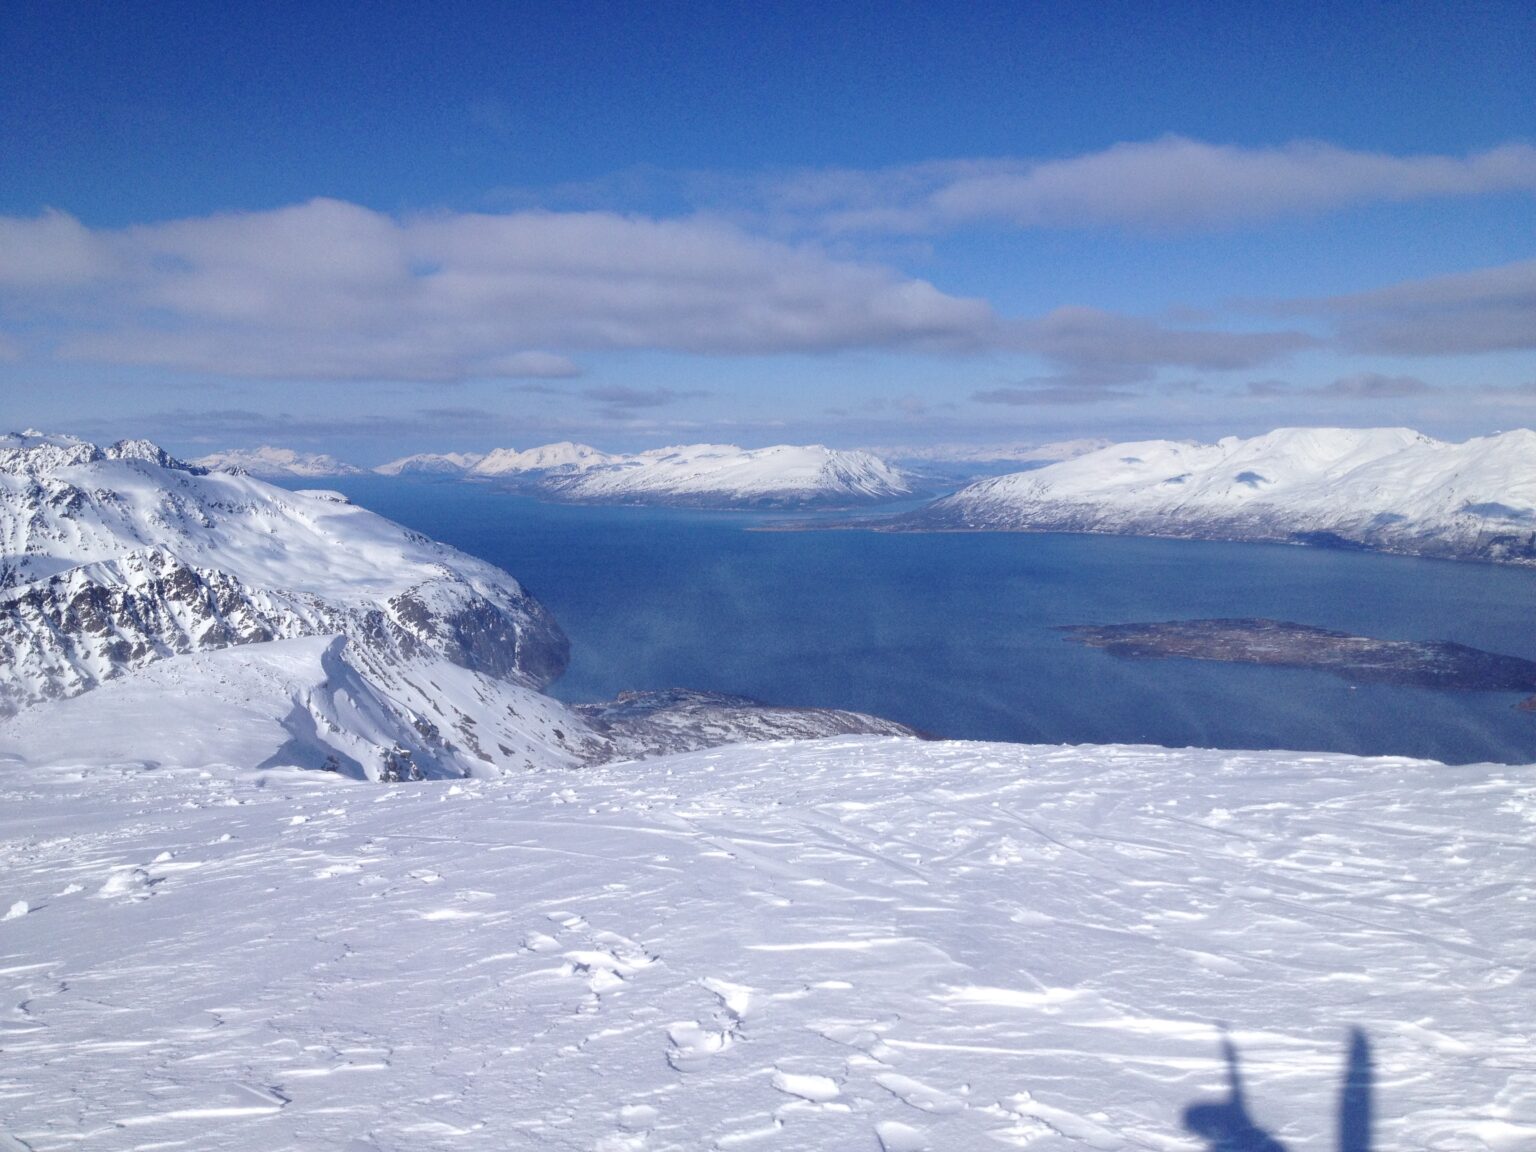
(874, 944)
(1391, 489)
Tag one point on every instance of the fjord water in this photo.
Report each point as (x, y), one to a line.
(954, 633)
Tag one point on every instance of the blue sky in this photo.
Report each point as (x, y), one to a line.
(426, 227)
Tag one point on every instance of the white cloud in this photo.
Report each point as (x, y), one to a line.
(331, 290)
(1485, 310)
(1169, 183)
(1092, 347)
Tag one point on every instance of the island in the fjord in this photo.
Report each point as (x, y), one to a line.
(1420, 663)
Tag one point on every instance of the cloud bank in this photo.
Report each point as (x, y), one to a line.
(1485, 310)
(1172, 183)
(331, 290)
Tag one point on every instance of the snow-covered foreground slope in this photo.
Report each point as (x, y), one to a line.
(695, 475)
(854, 944)
(1387, 488)
(279, 463)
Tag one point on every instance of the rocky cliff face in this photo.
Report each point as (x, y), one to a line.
(114, 559)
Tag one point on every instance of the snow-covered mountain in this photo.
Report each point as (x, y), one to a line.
(564, 456)
(277, 463)
(859, 943)
(693, 475)
(431, 464)
(156, 604)
(499, 463)
(855, 945)
(723, 475)
(1385, 488)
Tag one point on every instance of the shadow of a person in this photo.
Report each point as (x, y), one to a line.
(1355, 1111)
(1225, 1124)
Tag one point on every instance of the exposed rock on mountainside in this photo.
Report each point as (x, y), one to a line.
(658, 723)
(1388, 488)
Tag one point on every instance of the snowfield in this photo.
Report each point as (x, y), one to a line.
(848, 944)
(1387, 488)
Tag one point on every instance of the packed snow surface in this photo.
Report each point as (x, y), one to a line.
(279, 463)
(844, 944)
(1388, 488)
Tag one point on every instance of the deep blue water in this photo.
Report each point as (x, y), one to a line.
(953, 632)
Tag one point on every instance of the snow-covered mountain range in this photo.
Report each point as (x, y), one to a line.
(695, 475)
(277, 463)
(1386, 488)
(857, 943)
(149, 603)
(713, 475)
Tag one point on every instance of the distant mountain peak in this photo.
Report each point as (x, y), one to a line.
(277, 463)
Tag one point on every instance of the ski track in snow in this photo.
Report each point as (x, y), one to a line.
(847, 944)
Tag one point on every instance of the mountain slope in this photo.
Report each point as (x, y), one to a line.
(113, 560)
(431, 464)
(860, 944)
(1389, 488)
(723, 475)
(691, 475)
(564, 456)
(140, 596)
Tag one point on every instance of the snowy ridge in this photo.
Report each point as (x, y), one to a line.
(858, 944)
(694, 475)
(723, 474)
(564, 456)
(1386, 488)
(278, 463)
(431, 464)
(113, 561)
